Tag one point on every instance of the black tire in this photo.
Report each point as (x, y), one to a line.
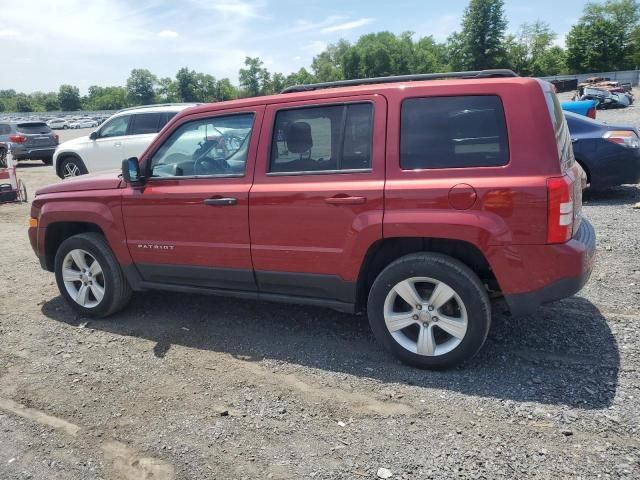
(453, 273)
(71, 162)
(117, 291)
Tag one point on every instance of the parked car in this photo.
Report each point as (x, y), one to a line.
(411, 200)
(58, 124)
(586, 108)
(125, 134)
(608, 153)
(83, 123)
(29, 140)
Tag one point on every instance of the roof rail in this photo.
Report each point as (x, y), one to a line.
(153, 105)
(402, 78)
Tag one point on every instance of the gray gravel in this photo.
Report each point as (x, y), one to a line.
(191, 387)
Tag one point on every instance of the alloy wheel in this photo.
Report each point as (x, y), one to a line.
(83, 278)
(425, 316)
(71, 170)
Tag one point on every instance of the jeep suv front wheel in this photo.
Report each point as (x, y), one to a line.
(89, 276)
(429, 310)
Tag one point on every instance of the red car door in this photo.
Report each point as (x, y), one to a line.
(188, 225)
(317, 200)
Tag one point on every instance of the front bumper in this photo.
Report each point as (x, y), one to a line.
(582, 247)
(34, 153)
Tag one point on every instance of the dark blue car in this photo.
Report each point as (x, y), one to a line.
(609, 154)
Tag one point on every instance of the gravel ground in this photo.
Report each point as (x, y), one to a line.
(190, 387)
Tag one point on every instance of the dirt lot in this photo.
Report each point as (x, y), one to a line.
(191, 387)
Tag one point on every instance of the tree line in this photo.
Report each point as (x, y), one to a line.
(605, 38)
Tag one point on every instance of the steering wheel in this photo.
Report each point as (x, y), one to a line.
(210, 166)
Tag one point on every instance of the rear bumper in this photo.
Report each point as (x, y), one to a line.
(35, 153)
(578, 257)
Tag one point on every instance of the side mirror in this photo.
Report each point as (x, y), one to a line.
(131, 171)
(93, 135)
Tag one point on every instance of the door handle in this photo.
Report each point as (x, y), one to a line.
(345, 200)
(117, 144)
(221, 202)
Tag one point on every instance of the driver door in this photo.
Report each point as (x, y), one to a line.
(189, 224)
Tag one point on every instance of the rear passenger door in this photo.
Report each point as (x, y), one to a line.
(317, 199)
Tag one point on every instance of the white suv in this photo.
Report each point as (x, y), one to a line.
(126, 134)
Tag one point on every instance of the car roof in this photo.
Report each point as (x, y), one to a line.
(367, 89)
(169, 107)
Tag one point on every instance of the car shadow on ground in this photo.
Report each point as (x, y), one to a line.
(565, 354)
(32, 164)
(622, 195)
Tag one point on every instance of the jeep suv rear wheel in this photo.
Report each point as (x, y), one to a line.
(89, 276)
(429, 310)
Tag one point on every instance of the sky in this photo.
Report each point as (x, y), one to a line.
(47, 43)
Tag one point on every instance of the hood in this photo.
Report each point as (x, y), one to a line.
(74, 141)
(107, 180)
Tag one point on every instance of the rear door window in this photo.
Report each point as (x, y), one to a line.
(453, 132)
(146, 123)
(33, 128)
(322, 139)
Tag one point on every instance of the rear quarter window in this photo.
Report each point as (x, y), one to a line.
(453, 132)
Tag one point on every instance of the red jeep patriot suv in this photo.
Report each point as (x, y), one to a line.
(415, 199)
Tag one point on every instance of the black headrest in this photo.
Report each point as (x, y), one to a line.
(299, 137)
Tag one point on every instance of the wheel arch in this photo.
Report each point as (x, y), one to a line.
(384, 251)
(58, 232)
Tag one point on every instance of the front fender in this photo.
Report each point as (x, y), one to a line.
(102, 208)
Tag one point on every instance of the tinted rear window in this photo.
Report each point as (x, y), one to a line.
(563, 136)
(146, 123)
(453, 132)
(33, 127)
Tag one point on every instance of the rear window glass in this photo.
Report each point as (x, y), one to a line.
(146, 123)
(563, 136)
(321, 139)
(33, 127)
(453, 132)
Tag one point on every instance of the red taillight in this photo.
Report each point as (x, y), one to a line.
(559, 209)
(591, 113)
(56, 137)
(17, 138)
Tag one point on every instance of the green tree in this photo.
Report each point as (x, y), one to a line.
(479, 44)
(604, 38)
(226, 90)
(186, 85)
(106, 98)
(328, 65)
(2, 106)
(531, 51)
(429, 56)
(206, 88)
(254, 79)
(167, 90)
(69, 98)
(51, 102)
(23, 103)
(140, 87)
